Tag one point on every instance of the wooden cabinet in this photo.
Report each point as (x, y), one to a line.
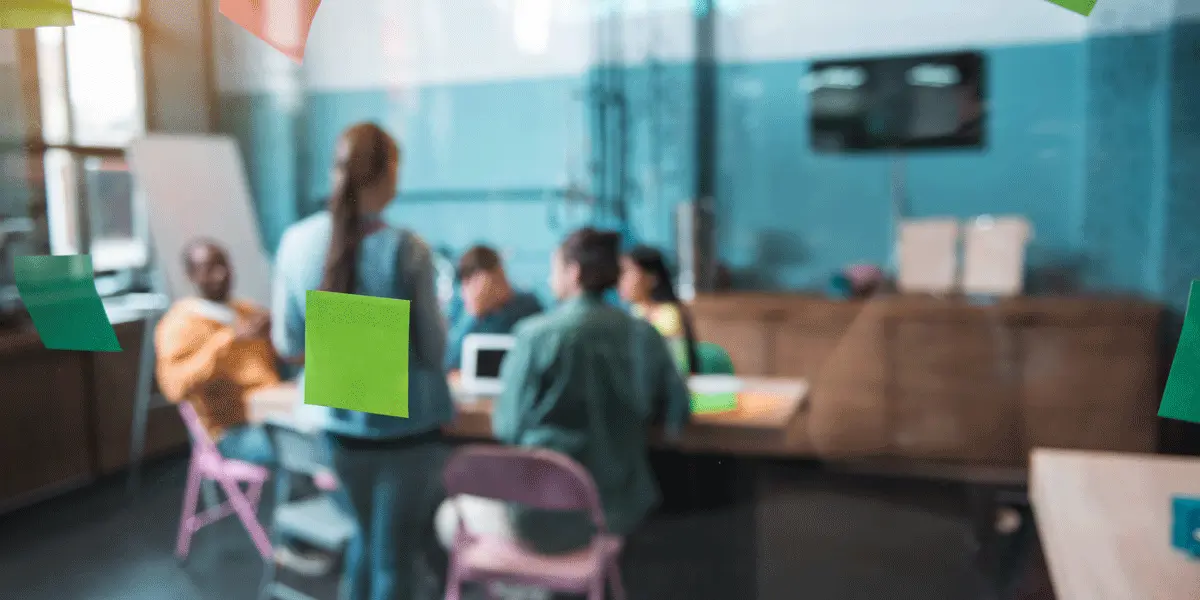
(946, 380)
(65, 417)
(116, 374)
(45, 427)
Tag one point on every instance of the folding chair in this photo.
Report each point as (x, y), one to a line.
(207, 464)
(540, 479)
(317, 521)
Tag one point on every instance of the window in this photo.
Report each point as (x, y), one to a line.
(92, 104)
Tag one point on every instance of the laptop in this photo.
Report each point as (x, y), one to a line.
(482, 356)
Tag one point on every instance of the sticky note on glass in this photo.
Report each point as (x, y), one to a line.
(356, 353)
(713, 403)
(27, 14)
(1181, 398)
(1083, 7)
(60, 294)
(283, 24)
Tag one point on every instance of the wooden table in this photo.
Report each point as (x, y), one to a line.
(764, 415)
(1105, 524)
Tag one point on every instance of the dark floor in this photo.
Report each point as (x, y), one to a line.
(848, 537)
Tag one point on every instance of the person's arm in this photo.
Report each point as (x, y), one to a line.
(427, 326)
(186, 358)
(287, 314)
(519, 377)
(453, 360)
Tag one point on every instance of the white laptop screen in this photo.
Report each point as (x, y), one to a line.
(483, 354)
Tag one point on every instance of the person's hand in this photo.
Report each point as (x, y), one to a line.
(254, 327)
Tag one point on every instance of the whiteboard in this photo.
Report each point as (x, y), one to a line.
(195, 186)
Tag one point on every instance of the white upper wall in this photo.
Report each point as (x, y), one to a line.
(374, 44)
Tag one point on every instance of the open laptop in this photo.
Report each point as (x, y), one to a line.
(481, 358)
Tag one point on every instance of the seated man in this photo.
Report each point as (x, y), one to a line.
(490, 305)
(215, 352)
(587, 380)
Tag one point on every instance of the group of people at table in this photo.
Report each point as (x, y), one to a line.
(584, 378)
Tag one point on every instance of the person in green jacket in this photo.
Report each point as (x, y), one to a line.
(588, 380)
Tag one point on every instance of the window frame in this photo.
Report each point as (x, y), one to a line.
(37, 147)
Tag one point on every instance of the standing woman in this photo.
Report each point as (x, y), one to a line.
(389, 467)
(646, 284)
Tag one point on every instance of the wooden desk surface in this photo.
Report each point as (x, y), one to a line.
(1105, 524)
(766, 409)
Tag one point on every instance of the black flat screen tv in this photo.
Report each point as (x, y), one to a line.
(929, 101)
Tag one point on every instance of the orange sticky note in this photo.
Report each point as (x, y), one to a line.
(284, 24)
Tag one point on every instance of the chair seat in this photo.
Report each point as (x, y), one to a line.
(212, 465)
(317, 521)
(496, 556)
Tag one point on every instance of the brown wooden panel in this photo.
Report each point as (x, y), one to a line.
(809, 335)
(116, 387)
(44, 439)
(800, 350)
(1090, 387)
(747, 342)
(953, 391)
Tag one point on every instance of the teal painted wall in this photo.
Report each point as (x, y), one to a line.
(1082, 141)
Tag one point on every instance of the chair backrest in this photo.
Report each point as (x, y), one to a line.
(201, 441)
(714, 360)
(297, 452)
(535, 477)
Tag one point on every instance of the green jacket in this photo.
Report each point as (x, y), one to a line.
(588, 380)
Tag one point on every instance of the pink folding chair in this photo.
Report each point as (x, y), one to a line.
(539, 479)
(207, 464)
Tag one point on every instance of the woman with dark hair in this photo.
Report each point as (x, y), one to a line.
(586, 379)
(646, 284)
(389, 467)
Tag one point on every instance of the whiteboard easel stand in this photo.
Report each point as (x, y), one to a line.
(142, 395)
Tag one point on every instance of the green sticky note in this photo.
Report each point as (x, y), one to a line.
(60, 294)
(27, 14)
(1181, 398)
(1083, 7)
(356, 353)
(713, 403)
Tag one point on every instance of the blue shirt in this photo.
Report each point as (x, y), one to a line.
(299, 266)
(502, 320)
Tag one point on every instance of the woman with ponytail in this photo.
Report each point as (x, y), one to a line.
(388, 467)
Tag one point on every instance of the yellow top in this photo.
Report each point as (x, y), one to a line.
(200, 361)
(664, 317)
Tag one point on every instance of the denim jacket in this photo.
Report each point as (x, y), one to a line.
(392, 263)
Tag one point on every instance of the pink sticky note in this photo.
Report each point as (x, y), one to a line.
(284, 24)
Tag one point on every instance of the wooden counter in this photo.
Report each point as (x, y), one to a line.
(66, 415)
(45, 419)
(1105, 524)
(917, 377)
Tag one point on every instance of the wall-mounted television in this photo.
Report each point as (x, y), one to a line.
(926, 101)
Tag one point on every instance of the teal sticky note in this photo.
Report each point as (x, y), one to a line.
(356, 353)
(28, 14)
(60, 294)
(1083, 7)
(1181, 398)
